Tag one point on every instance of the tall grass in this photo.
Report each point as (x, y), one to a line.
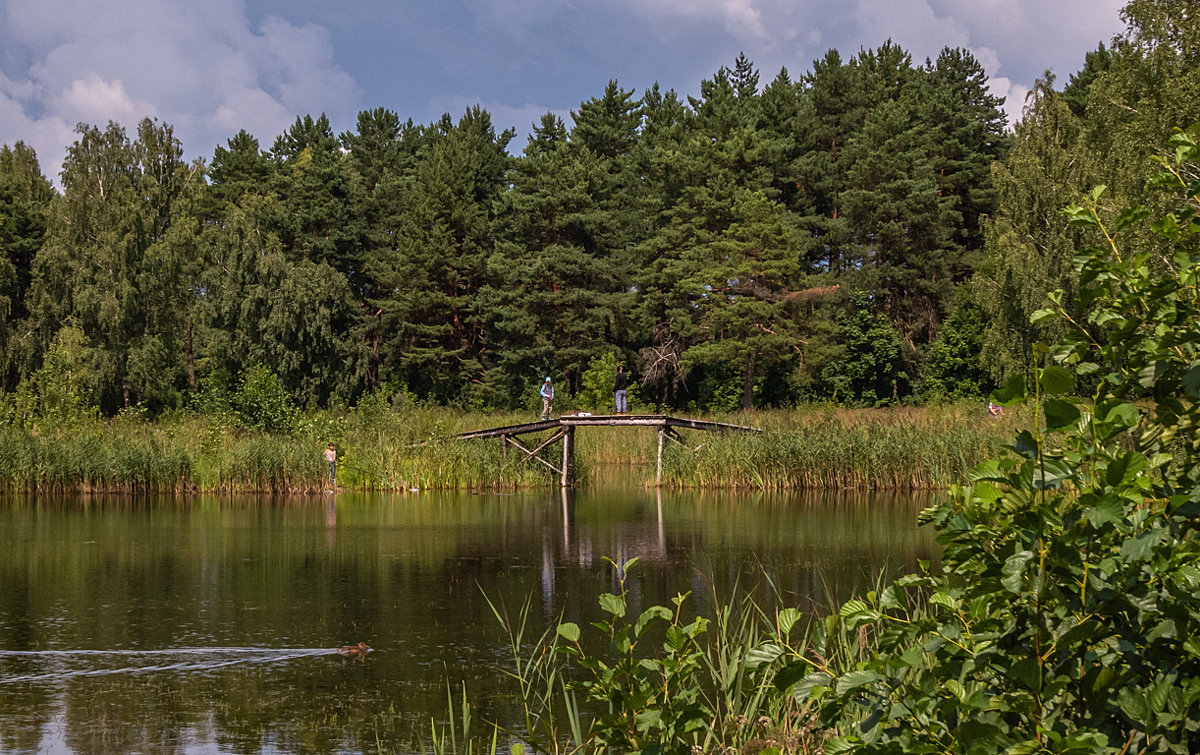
(384, 448)
(94, 460)
(836, 448)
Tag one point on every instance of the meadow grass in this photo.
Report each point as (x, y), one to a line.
(385, 448)
(826, 448)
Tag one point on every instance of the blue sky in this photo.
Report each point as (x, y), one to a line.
(212, 67)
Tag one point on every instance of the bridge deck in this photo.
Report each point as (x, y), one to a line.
(606, 420)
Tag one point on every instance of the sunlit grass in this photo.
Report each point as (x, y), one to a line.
(384, 448)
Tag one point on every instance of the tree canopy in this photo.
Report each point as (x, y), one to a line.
(862, 232)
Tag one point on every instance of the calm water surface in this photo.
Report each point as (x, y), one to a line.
(208, 625)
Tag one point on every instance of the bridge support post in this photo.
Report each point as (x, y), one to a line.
(568, 455)
(662, 432)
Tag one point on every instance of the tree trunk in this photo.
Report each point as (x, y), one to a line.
(748, 387)
(191, 359)
(373, 367)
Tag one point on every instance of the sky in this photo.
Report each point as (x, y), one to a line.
(213, 67)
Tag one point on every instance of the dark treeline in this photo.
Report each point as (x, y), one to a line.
(864, 234)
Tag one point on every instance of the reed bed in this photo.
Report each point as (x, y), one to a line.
(95, 460)
(896, 449)
(385, 448)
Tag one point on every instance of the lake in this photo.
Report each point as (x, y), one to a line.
(208, 624)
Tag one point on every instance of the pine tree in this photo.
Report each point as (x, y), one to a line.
(557, 298)
(901, 223)
(433, 272)
(738, 283)
(967, 134)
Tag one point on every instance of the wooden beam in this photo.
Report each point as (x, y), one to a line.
(534, 453)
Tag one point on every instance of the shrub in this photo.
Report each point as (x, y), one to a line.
(1067, 614)
(261, 402)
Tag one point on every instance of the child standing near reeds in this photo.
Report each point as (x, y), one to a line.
(331, 457)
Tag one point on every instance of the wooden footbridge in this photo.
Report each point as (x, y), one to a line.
(564, 430)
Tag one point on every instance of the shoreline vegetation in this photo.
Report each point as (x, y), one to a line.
(384, 448)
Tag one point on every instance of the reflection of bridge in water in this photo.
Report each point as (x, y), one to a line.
(578, 548)
(564, 430)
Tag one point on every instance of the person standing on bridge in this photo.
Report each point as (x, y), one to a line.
(547, 394)
(620, 389)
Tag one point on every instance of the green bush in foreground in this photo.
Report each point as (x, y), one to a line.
(1067, 618)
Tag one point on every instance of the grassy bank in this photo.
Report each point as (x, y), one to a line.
(906, 448)
(382, 448)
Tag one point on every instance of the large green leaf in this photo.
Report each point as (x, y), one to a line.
(1191, 380)
(1105, 511)
(1125, 468)
(787, 619)
(1140, 547)
(803, 686)
(1056, 381)
(612, 604)
(569, 631)
(856, 679)
(1014, 570)
(763, 654)
(1060, 414)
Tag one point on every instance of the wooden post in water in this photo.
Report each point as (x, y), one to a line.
(568, 454)
(662, 431)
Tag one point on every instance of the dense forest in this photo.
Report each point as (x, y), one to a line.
(869, 232)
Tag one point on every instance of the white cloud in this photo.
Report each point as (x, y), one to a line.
(96, 100)
(742, 18)
(201, 67)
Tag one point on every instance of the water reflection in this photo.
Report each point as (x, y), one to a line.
(209, 624)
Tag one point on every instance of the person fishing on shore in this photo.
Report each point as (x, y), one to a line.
(331, 457)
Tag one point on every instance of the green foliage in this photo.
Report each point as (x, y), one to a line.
(653, 700)
(261, 402)
(951, 367)
(690, 231)
(660, 681)
(1065, 615)
(869, 371)
(596, 393)
(60, 395)
(1101, 129)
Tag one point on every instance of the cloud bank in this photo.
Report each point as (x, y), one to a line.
(202, 67)
(211, 68)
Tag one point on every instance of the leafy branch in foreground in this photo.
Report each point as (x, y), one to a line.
(1066, 617)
